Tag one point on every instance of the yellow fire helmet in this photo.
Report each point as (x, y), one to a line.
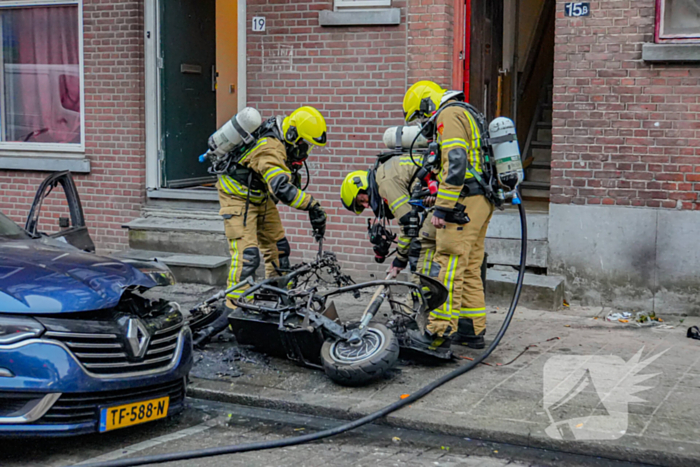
(354, 183)
(305, 123)
(421, 100)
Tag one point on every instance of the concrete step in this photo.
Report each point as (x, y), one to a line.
(535, 195)
(538, 174)
(544, 134)
(197, 269)
(541, 154)
(533, 185)
(539, 164)
(535, 190)
(539, 291)
(503, 238)
(195, 234)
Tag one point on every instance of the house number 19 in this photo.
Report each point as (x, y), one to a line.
(258, 23)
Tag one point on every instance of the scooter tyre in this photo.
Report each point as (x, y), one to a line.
(366, 370)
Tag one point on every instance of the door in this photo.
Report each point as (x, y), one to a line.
(226, 60)
(188, 89)
(486, 36)
(71, 229)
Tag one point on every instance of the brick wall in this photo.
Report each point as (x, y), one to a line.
(625, 132)
(113, 192)
(357, 77)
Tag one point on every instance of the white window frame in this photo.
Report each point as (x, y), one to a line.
(40, 149)
(660, 37)
(361, 3)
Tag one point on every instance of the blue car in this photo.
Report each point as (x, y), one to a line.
(81, 350)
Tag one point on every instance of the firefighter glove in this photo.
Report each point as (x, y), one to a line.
(317, 218)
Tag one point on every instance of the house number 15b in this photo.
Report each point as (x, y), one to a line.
(577, 9)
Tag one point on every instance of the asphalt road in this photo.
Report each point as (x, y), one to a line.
(208, 424)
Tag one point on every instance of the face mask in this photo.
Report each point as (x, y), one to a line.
(297, 153)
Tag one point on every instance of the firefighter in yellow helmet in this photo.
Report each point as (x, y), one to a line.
(461, 217)
(248, 194)
(386, 191)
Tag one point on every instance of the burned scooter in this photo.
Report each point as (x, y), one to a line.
(293, 316)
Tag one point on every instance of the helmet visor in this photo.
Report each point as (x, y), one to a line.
(426, 110)
(320, 141)
(412, 117)
(357, 207)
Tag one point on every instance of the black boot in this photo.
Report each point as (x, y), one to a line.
(465, 335)
(431, 343)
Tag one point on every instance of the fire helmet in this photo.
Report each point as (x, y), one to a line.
(305, 123)
(355, 183)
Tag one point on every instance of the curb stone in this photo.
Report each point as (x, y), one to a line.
(270, 398)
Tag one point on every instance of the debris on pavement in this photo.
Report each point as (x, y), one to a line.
(694, 332)
(619, 316)
(214, 362)
(647, 319)
(640, 318)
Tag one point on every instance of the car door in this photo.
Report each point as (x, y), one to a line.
(59, 217)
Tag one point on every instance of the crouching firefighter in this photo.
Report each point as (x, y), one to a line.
(386, 190)
(393, 190)
(252, 181)
(461, 215)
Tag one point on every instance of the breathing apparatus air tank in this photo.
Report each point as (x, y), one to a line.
(401, 137)
(506, 153)
(233, 133)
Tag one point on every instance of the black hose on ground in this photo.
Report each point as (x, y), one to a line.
(280, 443)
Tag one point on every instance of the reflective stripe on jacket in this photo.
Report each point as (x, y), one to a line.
(393, 178)
(268, 158)
(460, 141)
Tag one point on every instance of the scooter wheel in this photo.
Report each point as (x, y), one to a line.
(358, 364)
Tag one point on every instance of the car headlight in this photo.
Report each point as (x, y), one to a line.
(159, 272)
(14, 329)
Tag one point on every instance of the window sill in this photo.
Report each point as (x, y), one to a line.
(44, 162)
(375, 17)
(688, 53)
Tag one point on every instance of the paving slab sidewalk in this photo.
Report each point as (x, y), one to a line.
(625, 403)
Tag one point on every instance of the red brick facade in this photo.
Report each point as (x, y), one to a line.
(625, 132)
(357, 77)
(113, 193)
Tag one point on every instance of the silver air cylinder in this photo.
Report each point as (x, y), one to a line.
(506, 153)
(234, 132)
(408, 134)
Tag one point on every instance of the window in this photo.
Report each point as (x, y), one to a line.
(41, 98)
(678, 21)
(361, 3)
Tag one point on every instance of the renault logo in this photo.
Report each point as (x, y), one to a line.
(137, 338)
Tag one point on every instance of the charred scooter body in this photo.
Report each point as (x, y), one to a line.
(287, 318)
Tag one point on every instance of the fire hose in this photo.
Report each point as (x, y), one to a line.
(293, 441)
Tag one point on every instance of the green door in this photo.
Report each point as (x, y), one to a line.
(188, 92)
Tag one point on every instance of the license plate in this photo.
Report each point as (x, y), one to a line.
(121, 416)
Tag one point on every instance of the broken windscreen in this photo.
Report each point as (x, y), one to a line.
(9, 229)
